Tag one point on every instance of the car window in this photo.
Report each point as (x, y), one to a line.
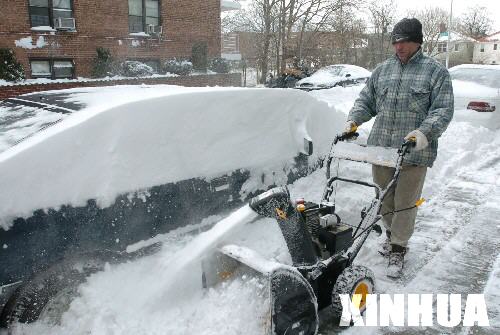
(331, 70)
(18, 122)
(485, 77)
(335, 71)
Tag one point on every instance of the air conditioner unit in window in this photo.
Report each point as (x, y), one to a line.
(154, 30)
(64, 23)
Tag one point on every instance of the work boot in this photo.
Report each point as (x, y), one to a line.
(385, 248)
(396, 261)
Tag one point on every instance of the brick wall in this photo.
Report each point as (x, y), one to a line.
(105, 24)
(233, 79)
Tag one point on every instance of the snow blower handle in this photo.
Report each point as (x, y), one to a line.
(407, 144)
(345, 136)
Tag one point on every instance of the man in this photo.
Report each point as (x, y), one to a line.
(411, 97)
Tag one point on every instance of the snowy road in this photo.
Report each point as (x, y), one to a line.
(455, 249)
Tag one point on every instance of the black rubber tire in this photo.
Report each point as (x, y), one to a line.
(27, 303)
(347, 282)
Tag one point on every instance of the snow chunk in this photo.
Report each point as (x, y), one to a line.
(360, 153)
(27, 43)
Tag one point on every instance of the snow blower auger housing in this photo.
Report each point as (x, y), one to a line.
(322, 248)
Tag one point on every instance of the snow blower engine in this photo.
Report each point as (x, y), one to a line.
(322, 249)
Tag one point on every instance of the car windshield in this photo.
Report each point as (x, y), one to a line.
(485, 77)
(18, 122)
(334, 70)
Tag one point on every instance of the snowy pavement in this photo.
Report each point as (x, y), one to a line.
(455, 249)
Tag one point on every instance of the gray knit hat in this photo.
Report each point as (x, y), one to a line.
(407, 30)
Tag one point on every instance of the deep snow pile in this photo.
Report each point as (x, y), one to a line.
(130, 138)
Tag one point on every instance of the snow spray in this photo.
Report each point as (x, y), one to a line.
(176, 270)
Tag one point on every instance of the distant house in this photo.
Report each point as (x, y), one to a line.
(461, 49)
(230, 42)
(487, 50)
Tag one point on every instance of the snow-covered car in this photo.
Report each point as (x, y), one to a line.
(96, 175)
(334, 75)
(476, 87)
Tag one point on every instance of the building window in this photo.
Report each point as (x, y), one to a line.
(456, 47)
(481, 48)
(52, 68)
(495, 46)
(142, 13)
(441, 47)
(40, 69)
(62, 69)
(46, 12)
(62, 9)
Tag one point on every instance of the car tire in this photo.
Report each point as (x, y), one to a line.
(355, 279)
(48, 294)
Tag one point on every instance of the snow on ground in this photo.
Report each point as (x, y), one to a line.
(159, 135)
(455, 249)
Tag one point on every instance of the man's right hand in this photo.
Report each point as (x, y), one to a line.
(350, 127)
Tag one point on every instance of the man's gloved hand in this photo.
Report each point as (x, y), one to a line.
(350, 127)
(419, 138)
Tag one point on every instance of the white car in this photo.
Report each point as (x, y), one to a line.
(476, 87)
(334, 75)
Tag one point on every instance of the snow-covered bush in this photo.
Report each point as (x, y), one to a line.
(10, 68)
(103, 64)
(181, 67)
(132, 68)
(220, 65)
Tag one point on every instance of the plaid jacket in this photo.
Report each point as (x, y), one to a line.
(405, 97)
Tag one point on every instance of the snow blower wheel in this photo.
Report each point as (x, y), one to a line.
(355, 279)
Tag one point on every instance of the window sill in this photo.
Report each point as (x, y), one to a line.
(52, 30)
(141, 34)
(43, 28)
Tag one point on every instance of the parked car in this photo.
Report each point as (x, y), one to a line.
(287, 79)
(86, 173)
(334, 75)
(476, 87)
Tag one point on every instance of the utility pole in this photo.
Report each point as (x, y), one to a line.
(449, 37)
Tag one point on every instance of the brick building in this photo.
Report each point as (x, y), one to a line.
(58, 38)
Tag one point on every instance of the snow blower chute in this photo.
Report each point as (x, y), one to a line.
(321, 245)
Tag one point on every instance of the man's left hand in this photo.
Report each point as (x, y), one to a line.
(419, 138)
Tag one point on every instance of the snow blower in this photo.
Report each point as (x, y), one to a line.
(322, 247)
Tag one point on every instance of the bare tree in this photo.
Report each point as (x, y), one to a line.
(350, 35)
(260, 18)
(475, 22)
(286, 26)
(382, 16)
(298, 17)
(432, 18)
